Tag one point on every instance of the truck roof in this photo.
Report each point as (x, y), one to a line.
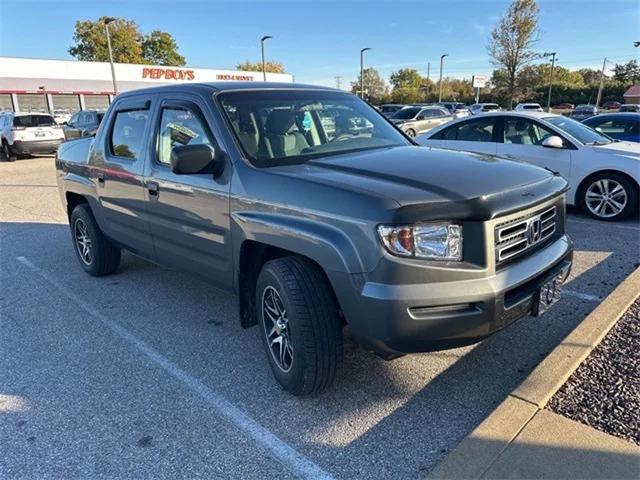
(228, 86)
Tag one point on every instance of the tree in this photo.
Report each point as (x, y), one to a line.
(627, 73)
(128, 43)
(375, 88)
(512, 40)
(407, 86)
(589, 76)
(270, 67)
(159, 48)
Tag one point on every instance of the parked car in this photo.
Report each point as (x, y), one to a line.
(414, 120)
(477, 108)
(61, 116)
(389, 109)
(582, 112)
(82, 123)
(619, 126)
(611, 105)
(240, 184)
(28, 133)
(629, 107)
(457, 109)
(564, 106)
(603, 175)
(528, 107)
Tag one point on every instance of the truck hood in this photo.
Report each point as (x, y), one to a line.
(436, 182)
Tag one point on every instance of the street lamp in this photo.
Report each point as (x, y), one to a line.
(553, 64)
(362, 71)
(441, 61)
(107, 21)
(262, 40)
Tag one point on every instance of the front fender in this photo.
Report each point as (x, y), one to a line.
(325, 244)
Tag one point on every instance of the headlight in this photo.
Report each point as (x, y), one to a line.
(434, 241)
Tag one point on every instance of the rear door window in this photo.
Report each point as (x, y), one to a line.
(127, 133)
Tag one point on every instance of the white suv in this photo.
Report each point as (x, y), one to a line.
(24, 133)
(528, 107)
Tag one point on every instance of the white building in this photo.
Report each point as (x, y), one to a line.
(29, 84)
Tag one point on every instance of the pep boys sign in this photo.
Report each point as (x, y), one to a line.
(168, 74)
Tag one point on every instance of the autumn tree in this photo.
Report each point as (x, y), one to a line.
(512, 39)
(407, 86)
(375, 88)
(627, 73)
(270, 67)
(128, 43)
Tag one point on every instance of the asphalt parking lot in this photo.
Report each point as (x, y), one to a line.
(148, 374)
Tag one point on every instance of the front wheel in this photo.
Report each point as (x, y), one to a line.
(7, 153)
(299, 324)
(608, 196)
(97, 255)
(410, 133)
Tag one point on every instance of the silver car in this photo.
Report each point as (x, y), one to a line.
(414, 120)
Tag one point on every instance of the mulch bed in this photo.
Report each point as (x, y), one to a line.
(604, 392)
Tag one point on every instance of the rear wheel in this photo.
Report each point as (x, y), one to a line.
(97, 255)
(608, 196)
(7, 155)
(299, 324)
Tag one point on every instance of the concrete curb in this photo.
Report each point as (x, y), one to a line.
(482, 447)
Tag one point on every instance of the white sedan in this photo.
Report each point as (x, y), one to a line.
(603, 174)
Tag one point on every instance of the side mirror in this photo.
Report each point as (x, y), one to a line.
(65, 123)
(199, 158)
(553, 142)
(421, 117)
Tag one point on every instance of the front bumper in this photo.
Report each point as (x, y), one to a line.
(35, 146)
(422, 317)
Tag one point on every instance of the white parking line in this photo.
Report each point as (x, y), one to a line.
(582, 296)
(283, 452)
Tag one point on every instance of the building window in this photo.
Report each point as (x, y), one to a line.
(66, 102)
(32, 102)
(6, 105)
(96, 102)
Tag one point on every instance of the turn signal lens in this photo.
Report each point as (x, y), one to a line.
(433, 241)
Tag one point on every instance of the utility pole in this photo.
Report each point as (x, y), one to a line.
(440, 82)
(107, 21)
(338, 79)
(262, 40)
(604, 65)
(362, 71)
(553, 64)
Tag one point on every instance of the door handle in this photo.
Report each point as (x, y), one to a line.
(100, 176)
(154, 189)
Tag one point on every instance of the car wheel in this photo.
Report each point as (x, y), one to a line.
(608, 196)
(410, 133)
(97, 255)
(299, 324)
(6, 152)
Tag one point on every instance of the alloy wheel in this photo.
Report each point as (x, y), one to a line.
(276, 329)
(83, 241)
(606, 198)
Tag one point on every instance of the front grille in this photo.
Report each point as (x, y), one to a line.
(517, 236)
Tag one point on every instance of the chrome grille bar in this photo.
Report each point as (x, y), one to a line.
(516, 236)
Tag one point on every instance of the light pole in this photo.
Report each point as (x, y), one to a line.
(553, 64)
(428, 78)
(262, 40)
(362, 71)
(604, 65)
(107, 21)
(440, 82)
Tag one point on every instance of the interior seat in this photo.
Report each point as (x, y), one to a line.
(283, 140)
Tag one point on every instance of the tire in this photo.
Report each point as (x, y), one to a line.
(600, 196)
(411, 133)
(308, 322)
(102, 257)
(7, 154)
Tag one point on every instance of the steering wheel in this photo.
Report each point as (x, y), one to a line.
(342, 137)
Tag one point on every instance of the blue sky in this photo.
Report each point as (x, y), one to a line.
(319, 40)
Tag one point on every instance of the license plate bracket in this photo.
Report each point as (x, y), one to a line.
(547, 294)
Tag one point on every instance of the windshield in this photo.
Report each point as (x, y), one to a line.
(579, 131)
(531, 107)
(406, 113)
(282, 127)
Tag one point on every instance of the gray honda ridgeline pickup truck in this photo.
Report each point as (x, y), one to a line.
(321, 215)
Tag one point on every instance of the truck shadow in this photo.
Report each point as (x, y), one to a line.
(419, 404)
